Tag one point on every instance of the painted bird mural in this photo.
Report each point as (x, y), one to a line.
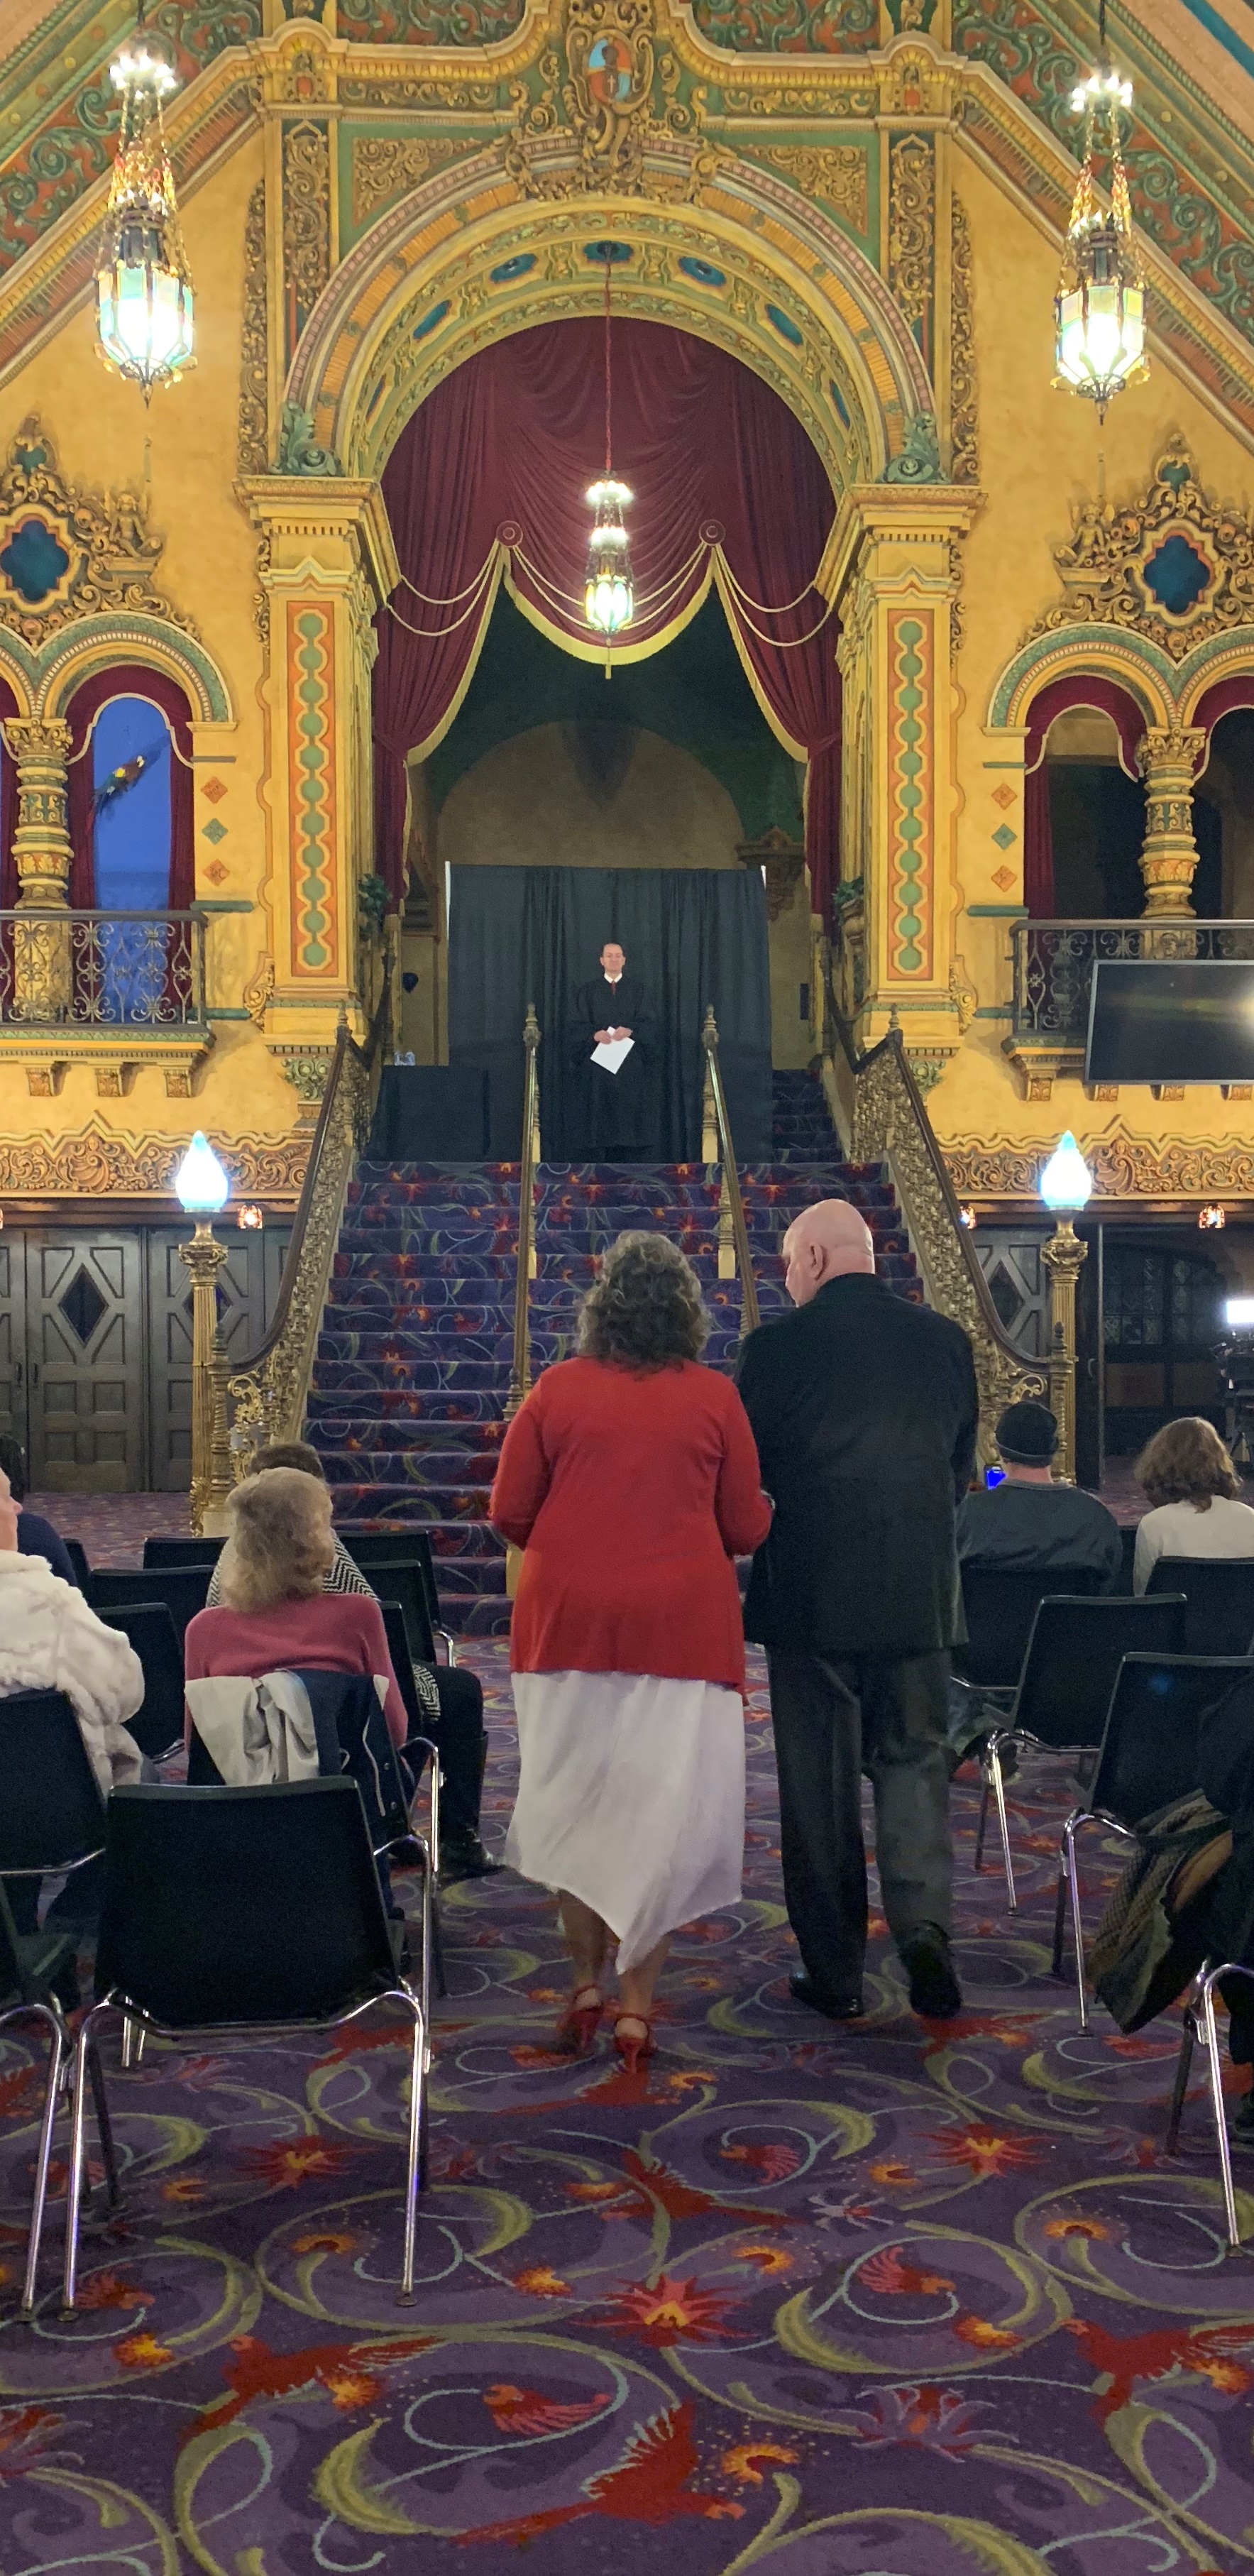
(649, 2483)
(127, 774)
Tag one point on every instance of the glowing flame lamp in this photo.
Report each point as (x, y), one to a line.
(201, 1183)
(609, 594)
(1066, 1183)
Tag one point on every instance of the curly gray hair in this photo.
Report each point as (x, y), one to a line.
(645, 1308)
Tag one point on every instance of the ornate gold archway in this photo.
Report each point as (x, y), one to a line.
(737, 258)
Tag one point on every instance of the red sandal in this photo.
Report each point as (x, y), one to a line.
(580, 2022)
(630, 2048)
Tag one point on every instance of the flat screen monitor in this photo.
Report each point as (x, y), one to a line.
(1179, 1019)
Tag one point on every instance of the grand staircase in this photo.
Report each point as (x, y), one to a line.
(412, 1374)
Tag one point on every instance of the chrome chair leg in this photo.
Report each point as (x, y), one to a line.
(86, 2071)
(999, 1795)
(417, 2123)
(43, 2158)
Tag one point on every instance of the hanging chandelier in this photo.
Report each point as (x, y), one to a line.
(609, 593)
(143, 291)
(1099, 310)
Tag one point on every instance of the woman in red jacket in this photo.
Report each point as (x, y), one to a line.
(631, 1479)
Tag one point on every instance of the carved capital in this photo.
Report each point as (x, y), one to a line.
(1168, 758)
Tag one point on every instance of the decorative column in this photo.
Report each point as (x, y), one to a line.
(1168, 759)
(39, 750)
(893, 563)
(326, 564)
(211, 1457)
(1063, 1256)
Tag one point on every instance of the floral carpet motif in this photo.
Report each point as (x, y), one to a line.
(902, 2301)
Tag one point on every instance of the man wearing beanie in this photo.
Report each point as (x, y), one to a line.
(1031, 1521)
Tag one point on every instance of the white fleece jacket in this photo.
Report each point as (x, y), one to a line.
(51, 1640)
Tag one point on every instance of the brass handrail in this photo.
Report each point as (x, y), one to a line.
(270, 1389)
(520, 1372)
(889, 1123)
(731, 1178)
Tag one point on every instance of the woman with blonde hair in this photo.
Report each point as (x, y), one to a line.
(631, 1479)
(273, 1613)
(1192, 1487)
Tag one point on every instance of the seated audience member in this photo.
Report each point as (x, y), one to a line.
(1192, 1488)
(1031, 1520)
(51, 1640)
(273, 1613)
(450, 1701)
(35, 1535)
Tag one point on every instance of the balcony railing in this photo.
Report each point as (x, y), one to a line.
(98, 971)
(1054, 961)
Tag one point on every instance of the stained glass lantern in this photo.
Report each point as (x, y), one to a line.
(609, 596)
(1099, 310)
(143, 290)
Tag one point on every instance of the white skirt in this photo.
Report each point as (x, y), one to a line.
(631, 1796)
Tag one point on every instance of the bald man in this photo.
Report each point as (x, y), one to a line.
(864, 1409)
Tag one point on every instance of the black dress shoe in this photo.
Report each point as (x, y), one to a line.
(463, 1856)
(832, 2007)
(934, 1989)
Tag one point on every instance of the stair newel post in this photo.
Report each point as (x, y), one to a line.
(520, 1373)
(731, 1208)
(709, 1124)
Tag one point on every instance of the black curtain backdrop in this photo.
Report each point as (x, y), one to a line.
(692, 935)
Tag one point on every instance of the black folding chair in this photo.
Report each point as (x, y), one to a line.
(239, 1914)
(1219, 1593)
(352, 1737)
(52, 1815)
(1001, 1603)
(373, 1550)
(1200, 2026)
(402, 1580)
(163, 1551)
(158, 1727)
(182, 1588)
(77, 1555)
(1148, 1759)
(1074, 1653)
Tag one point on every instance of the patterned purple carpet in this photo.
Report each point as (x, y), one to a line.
(905, 2302)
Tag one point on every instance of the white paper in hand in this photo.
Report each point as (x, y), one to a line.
(613, 1053)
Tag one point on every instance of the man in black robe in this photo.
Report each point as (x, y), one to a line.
(616, 1114)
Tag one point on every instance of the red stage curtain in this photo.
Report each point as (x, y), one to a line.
(1222, 700)
(503, 452)
(131, 680)
(1077, 690)
(8, 808)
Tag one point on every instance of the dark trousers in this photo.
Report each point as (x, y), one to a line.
(462, 1744)
(836, 1717)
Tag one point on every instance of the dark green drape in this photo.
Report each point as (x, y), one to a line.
(693, 935)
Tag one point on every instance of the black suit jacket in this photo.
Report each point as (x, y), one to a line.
(864, 1410)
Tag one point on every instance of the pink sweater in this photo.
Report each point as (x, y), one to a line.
(335, 1632)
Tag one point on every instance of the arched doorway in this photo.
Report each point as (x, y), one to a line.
(474, 256)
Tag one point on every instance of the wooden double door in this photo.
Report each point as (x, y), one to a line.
(96, 1349)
